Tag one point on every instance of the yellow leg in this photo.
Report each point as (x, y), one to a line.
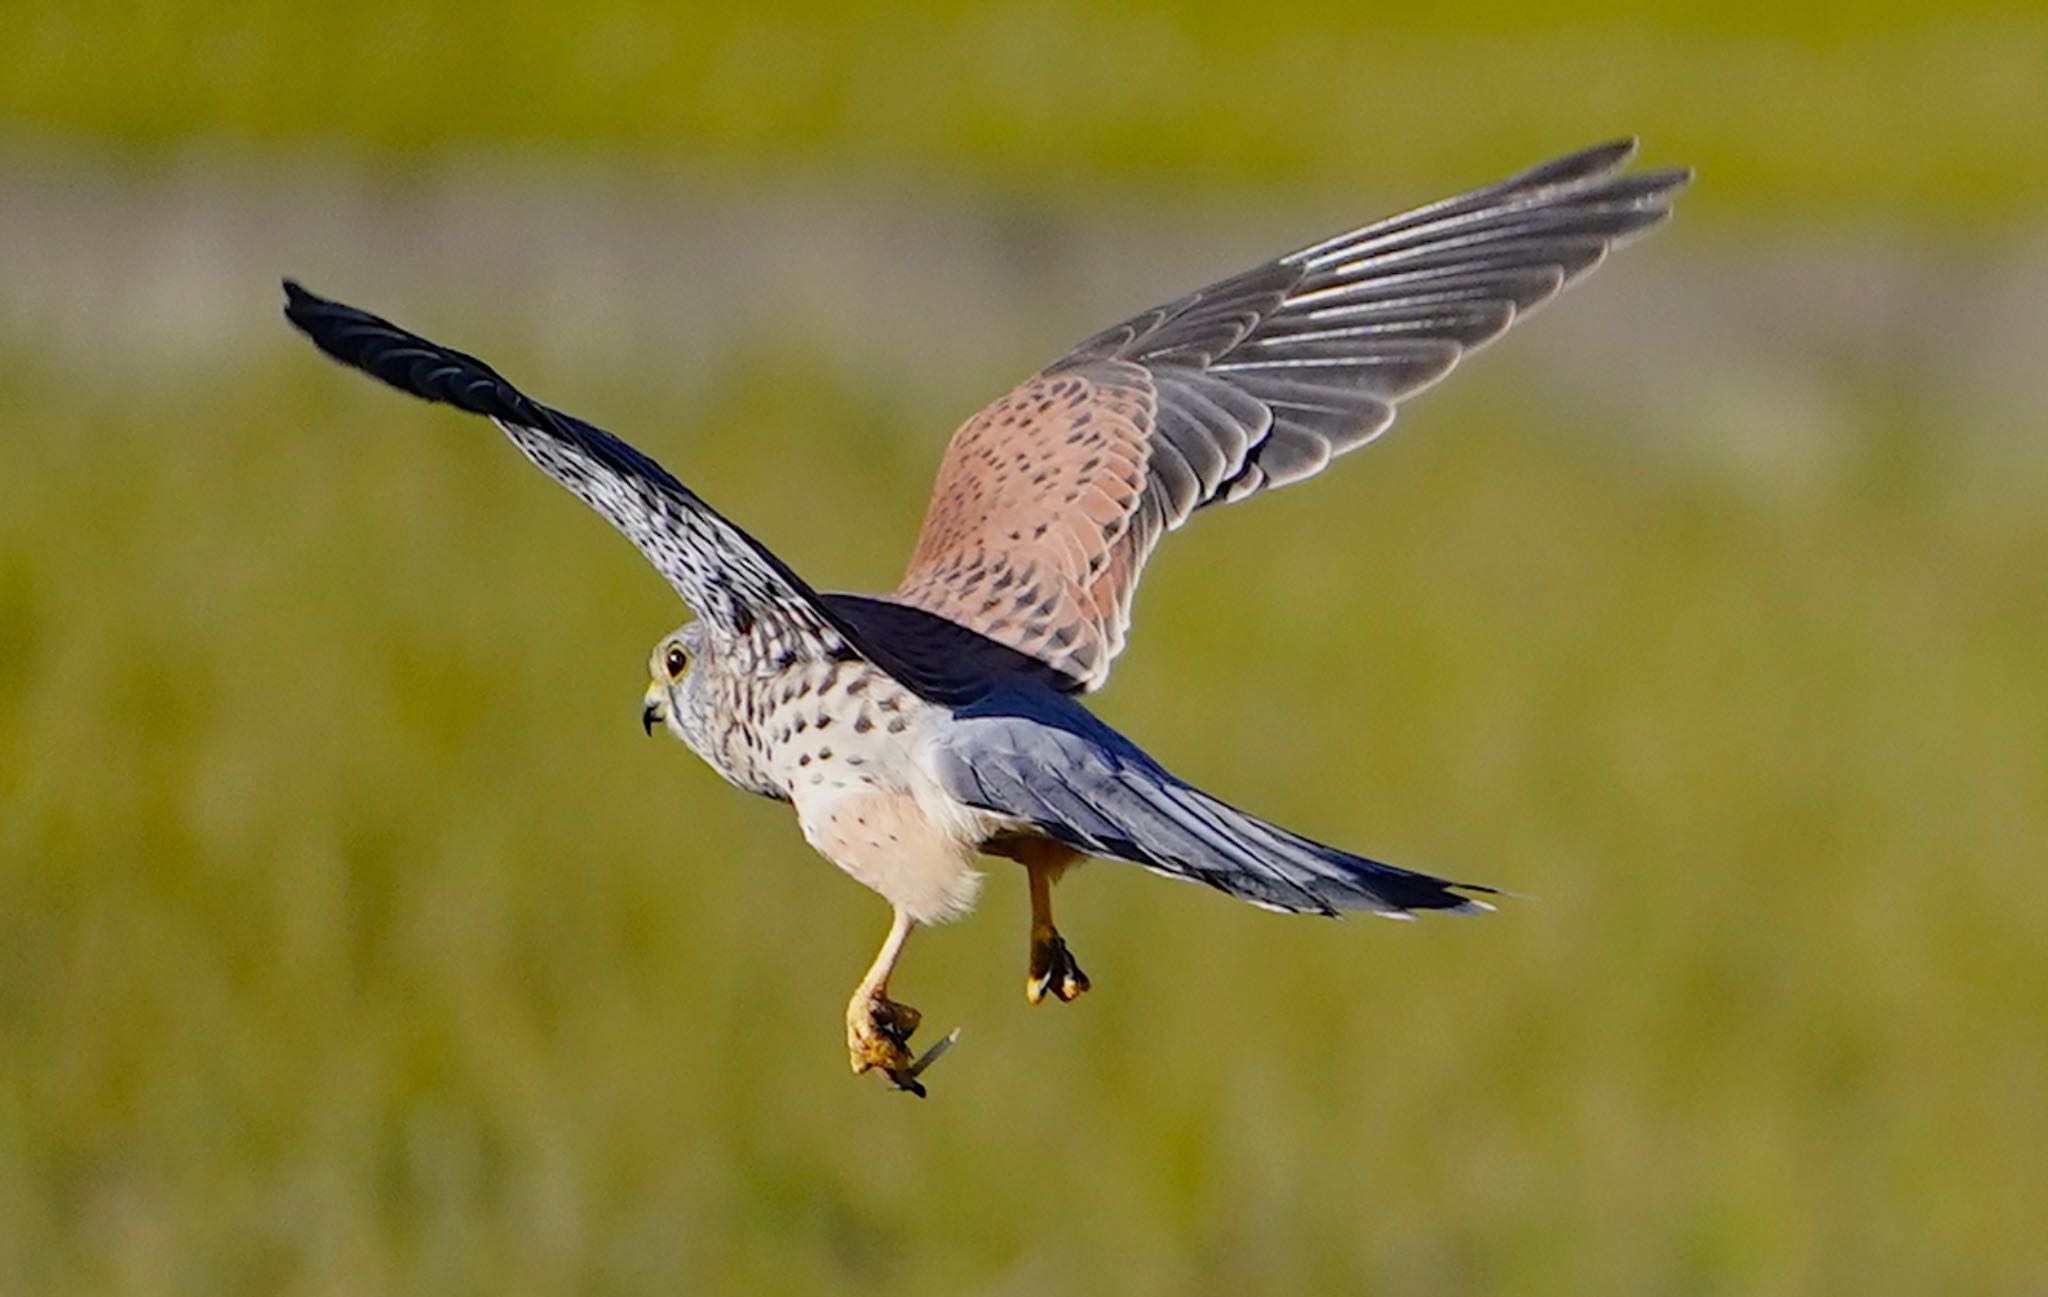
(1052, 969)
(877, 1028)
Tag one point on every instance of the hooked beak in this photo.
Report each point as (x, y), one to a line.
(653, 710)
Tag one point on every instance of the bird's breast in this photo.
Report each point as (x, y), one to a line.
(818, 726)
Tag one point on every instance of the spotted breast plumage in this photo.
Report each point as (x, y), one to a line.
(916, 731)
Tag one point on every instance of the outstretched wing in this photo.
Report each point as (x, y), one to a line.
(725, 575)
(1049, 501)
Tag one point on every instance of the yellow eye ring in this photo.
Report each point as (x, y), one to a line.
(677, 661)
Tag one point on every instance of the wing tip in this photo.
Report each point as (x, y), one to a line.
(405, 361)
(1598, 159)
(320, 319)
(1590, 174)
(1441, 897)
(298, 303)
(1602, 157)
(1589, 167)
(302, 305)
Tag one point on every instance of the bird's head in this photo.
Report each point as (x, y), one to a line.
(673, 697)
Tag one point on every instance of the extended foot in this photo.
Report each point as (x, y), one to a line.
(1053, 970)
(878, 1034)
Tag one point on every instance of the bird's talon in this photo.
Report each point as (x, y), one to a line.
(878, 1035)
(906, 1078)
(896, 1021)
(1053, 971)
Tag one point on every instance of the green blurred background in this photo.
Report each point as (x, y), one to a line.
(353, 940)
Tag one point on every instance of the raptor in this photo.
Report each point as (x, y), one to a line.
(915, 731)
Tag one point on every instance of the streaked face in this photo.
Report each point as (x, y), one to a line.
(668, 668)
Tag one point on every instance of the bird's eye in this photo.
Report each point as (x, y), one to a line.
(677, 661)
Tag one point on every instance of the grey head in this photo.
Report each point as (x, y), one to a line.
(679, 693)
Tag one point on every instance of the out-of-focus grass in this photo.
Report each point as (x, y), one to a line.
(352, 939)
(1833, 111)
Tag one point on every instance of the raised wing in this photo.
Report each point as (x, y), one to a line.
(731, 580)
(1049, 501)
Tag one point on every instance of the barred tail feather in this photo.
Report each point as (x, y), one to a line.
(1041, 759)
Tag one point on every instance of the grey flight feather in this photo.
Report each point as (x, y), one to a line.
(1035, 756)
(1263, 378)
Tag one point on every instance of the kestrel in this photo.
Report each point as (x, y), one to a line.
(916, 730)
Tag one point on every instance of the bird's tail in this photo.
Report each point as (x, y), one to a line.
(1045, 761)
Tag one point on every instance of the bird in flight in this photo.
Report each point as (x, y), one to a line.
(914, 731)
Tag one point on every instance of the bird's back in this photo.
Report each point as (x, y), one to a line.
(938, 657)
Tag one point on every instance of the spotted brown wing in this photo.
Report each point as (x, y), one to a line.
(1049, 501)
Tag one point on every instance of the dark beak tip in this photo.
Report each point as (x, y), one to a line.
(649, 714)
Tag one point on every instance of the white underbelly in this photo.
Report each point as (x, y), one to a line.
(887, 842)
